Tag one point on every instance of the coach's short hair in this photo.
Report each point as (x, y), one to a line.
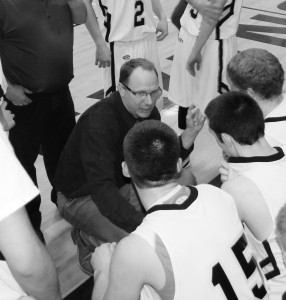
(238, 115)
(151, 151)
(128, 67)
(257, 69)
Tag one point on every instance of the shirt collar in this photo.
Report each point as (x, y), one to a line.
(270, 158)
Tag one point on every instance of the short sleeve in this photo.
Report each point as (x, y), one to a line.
(16, 187)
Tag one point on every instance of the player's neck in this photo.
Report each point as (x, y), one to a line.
(149, 196)
(268, 105)
(260, 148)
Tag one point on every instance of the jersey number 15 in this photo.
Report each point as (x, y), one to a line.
(220, 278)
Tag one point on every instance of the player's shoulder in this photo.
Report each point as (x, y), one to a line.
(213, 197)
(237, 184)
(210, 189)
(135, 255)
(131, 248)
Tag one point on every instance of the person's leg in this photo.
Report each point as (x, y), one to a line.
(58, 126)
(83, 214)
(91, 228)
(178, 12)
(182, 113)
(25, 139)
(182, 86)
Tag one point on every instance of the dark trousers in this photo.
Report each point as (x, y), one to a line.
(178, 12)
(44, 124)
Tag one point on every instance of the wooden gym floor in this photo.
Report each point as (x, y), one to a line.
(262, 25)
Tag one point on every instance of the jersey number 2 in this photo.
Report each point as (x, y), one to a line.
(138, 18)
(219, 276)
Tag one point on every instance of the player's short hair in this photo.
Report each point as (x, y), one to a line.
(128, 67)
(238, 115)
(281, 227)
(257, 69)
(151, 151)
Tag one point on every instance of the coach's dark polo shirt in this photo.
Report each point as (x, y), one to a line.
(90, 163)
(36, 40)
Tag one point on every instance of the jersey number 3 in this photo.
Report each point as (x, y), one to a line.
(138, 18)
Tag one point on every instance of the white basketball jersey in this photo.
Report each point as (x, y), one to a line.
(270, 181)
(204, 239)
(226, 26)
(238, 165)
(126, 20)
(275, 125)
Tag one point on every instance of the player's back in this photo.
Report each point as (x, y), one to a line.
(275, 125)
(270, 180)
(204, 242)
(126, 20)
(226, 26)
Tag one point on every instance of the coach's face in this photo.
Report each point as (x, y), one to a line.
(141, 93)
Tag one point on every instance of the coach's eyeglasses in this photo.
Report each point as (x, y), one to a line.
(143, 94)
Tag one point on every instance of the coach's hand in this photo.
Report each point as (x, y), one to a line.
(102, 56)
(17, 94)
(194, 62)
(195, 119)
(162, 29)
(194, 123)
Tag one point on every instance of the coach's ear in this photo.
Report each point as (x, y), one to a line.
(125, 170)
(179, 165)
(121, 89)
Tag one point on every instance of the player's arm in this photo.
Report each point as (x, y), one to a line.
(102, 52)
(251, 206)
(206, 29)
(133, 264)
(211, 10)
(29, 263)
(78, 11)
(162, 26)
(281, 227)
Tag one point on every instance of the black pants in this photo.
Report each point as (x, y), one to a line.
(44, 124)
(178, 12)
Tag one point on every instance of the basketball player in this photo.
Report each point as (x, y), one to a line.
(259, 189)
(259, 73)
(129, 32)
(203, 49)
(191, 243)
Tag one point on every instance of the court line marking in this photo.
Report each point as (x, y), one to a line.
(271, 12)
